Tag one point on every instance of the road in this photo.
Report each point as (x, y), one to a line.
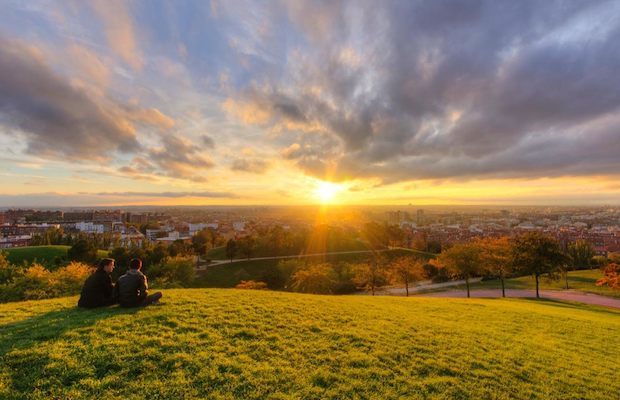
(564, 295)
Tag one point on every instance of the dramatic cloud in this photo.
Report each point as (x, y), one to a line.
(415, 90)
(59, 119)
(177, 158)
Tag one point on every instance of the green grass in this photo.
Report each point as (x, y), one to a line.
(583, 281)
(219, 253)
(42, 254)
(19, 255)
(225, 344)
(229, 275)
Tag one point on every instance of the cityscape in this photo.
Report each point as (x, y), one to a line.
(598, 226)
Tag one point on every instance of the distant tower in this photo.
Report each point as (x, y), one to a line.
(419, 217)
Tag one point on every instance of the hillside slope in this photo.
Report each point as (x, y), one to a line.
(243, 344)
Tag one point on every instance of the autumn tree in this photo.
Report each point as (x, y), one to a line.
(315, 278)
(371, 274)
(537, 254)
(495, 258)
(405, 270)
(462, 261)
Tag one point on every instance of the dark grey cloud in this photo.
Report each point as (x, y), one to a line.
(443, 89)
(58, 119)
(208, 141)
(251, 165)
(166, 194)
(175, 158)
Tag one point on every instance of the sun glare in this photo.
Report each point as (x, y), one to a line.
(326, 192)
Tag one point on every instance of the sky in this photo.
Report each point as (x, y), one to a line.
(110, 102)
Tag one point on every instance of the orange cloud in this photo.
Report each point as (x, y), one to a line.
(119, 30)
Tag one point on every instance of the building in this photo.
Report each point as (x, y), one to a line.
(89, 227)
(195, 228)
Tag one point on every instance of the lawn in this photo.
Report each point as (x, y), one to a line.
(226, 344)
(229, 275)
(43, 254)
(583, 281)
(219, 253)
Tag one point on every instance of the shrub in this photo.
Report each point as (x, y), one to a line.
(253, 285)
(37, 282)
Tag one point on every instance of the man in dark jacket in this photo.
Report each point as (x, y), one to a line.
(98, 290)
(132, 288)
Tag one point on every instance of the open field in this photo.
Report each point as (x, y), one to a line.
(583, 281)
(43, 254)
(228, 275)
(223, 344)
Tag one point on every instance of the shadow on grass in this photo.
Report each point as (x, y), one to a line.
(29, 365)
(572, 305)
(51, 325)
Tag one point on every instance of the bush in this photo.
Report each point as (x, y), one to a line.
(37, 282)
(253, 285)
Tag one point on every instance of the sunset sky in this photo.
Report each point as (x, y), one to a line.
(263, 102)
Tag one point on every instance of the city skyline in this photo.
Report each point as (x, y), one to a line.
(111, 103)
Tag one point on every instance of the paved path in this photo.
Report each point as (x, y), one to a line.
(423, 286)
(235, 260)
(567, 295)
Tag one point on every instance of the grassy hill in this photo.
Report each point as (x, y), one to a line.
(223, 344)
(43, 254)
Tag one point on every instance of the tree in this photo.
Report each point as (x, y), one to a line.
(462, 261)
(376, 235)
(370, 275)
(612, 276)
(247, 245)
(537, 254)
(201, 241)
(84, 251)
(231, 249)
(316, 278)
(174, 271)
(581, 253)
(495, 257)
(405, 270)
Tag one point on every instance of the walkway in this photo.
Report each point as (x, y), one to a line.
(564, 295)
(235, 260)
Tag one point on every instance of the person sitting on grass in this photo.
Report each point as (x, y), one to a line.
(132, 288)
(98, 290)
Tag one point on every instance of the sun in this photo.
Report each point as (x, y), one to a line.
(326, 192)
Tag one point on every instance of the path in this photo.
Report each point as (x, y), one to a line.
(565, 295)
(220, 262)
(423, 286)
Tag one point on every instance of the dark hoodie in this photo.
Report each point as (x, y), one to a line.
(132, 288)
(98, 290)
